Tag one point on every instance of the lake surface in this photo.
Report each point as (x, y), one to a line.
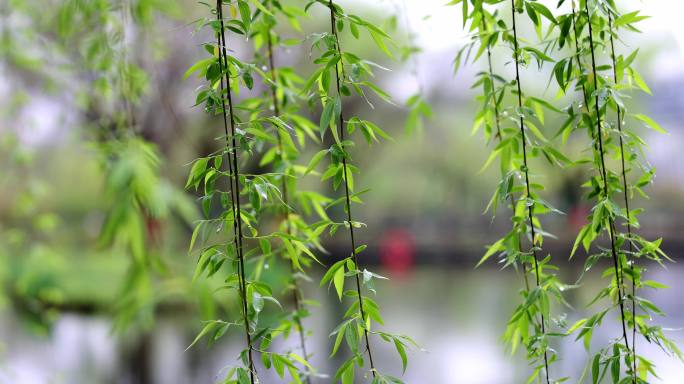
(457, 316)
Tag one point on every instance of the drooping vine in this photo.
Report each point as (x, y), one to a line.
(234, 170)
(625, 195)
(218, 98)
(531, 320)
(280, 107)
(345, 178)
(282, 157)
(356, 328)
(599, 96)
(602, 167)
(491, 117)
(597, 134)
(526, 172)
(250, 128)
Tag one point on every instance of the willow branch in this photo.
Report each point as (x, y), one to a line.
(499, 136)
(530, 207)
(276, 109)
(625, 195)
(340, 69)
(235, 182)
(611, 222)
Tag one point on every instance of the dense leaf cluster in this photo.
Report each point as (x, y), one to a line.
(274, 126)
(571, 41)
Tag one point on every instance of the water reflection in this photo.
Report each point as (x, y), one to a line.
(458, 318)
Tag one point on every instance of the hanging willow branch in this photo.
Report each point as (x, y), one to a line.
(530, 205)
(599, 95)
(597, 143)
(488, 39)
(606, 192)
(578, 55)
(530, 322)
(493, 100)
(625, 194)
(330, 88)
(339, 69)
(232, 149)
(296, 293)
(225, 75)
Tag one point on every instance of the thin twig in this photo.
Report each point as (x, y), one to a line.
(276, 109)
(626, 198)
(499, 137)
(530, 207)
(611, 223)
(340, 68)
(235, 183)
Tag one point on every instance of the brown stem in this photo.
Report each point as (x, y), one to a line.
(340, 68)
(579, 58)
(611, 223)
(626, 198)
(530, 207)
(235, 183)
(499, 137)
(276, 109)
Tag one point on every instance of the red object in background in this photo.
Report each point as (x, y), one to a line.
(154, 227)
(577, 217)
(397, 251)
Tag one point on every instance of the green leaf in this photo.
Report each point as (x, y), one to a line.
(491, 250)
(640, 81)
(543, 10)
(193, 238)
(278, 364)
(338, 281)
(331, 271)
(650, 123)
(337, 109)
(245, 14)
(326, 116)
(492, 156)
(197, 172)
(402, 353)
(615, 364)
(261, 7)
(347, 376)
(380, 42)
(207, 328)
(541, 56)
(595, 368)
(578, 240)
(578, 324)
(654, 284)
(300, 360)
(629, 18)
(200, 66)
(341, 329)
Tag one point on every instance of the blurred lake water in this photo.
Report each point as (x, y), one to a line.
(458, 318)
